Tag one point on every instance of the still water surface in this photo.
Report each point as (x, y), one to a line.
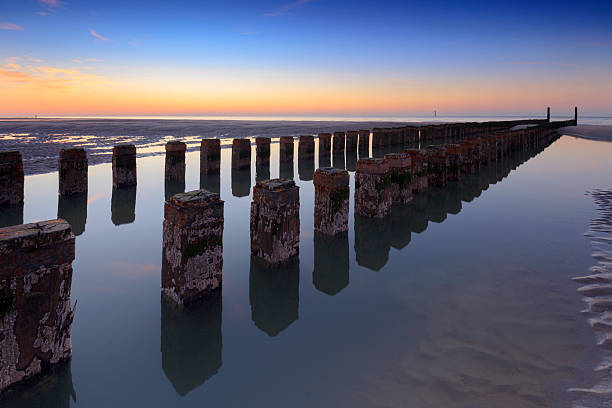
(462, 299)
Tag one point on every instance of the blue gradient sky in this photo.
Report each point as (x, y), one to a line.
(304, 57)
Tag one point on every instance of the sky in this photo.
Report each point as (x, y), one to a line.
(304, 57)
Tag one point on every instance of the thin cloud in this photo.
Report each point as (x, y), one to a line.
(51, 3)
(287, 8)
(93, 60)
(98, 36)
(42, 13)
(250, 33)
(10, 26)
(77, 61)
(47, 77)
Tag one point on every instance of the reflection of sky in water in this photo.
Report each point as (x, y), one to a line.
(474, 310)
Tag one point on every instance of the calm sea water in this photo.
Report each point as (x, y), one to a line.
(462, 299)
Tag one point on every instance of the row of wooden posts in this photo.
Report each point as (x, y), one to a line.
(192, 261)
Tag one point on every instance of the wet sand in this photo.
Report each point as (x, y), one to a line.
(593, 132)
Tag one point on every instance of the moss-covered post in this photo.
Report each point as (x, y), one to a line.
(11, 179)
(331, 207)
(124, 166)
(35, 309)
(192, 259)
(241, 154)
(275, 221)
(72, 172)
(175, 161)
(364, 141)
(418, 167)
(210, 156)
(401, 177)
(372, 188)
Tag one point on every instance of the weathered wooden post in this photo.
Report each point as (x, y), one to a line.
(575, 116)
(275, 221)
(262, 158)
(286, 157)
(331, 200)
(241, 153)
(352, 137)
(124, 166)
(331, 263)
(35, 310)
(175, 161)
(372, 188)
(11, 179)
(306, 150)
(437, 165)
(72, 172)
(210, 156)
(286, 149)
(401, 177)
(418, 168)
(339, 143)
(455, 160)
(192, 261)
(364, 141)
(262, 151)
(548, 114)
(324, 149)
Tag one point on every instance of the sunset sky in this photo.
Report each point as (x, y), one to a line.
(306, 57)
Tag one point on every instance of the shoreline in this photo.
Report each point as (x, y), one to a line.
(590, 132)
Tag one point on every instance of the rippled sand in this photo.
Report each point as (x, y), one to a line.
(597, 291)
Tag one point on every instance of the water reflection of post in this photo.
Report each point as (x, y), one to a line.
(351, 160)
(11, 215)
(73, 208)
(372, 241)
(331, 262)
(173, 187)
(401, 218)
(52, 389)
(191, 342)
(274, 295)
(123, 205)
(241, 182)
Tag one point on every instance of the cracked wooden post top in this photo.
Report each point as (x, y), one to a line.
(180, 207)
(175, 147)
(372, 166)
(124, 150)
(398, 160)
(282, 190)
(331, 177)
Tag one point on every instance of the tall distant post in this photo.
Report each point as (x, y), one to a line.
(575, 115)
(548, 114)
